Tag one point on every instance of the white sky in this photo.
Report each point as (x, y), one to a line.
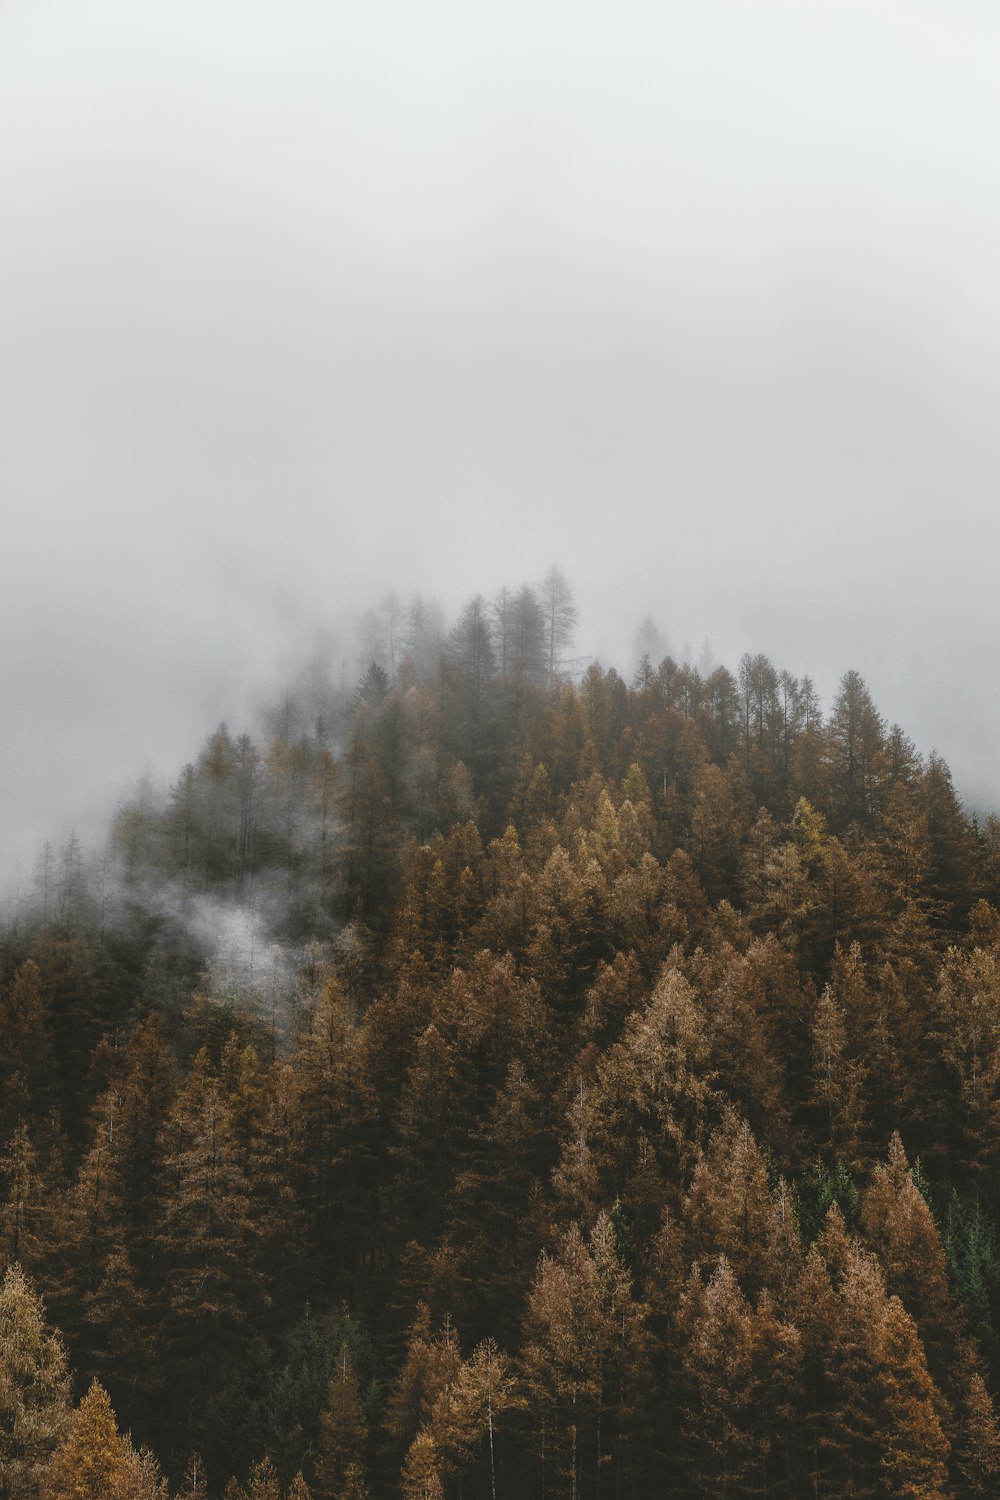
(299, 303)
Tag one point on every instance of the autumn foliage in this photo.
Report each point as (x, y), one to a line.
(502, 1080)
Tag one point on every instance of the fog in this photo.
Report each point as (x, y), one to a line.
(300, 304)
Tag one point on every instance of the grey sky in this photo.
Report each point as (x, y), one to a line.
(299, 303)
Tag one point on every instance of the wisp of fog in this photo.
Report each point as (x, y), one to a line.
(305, 304)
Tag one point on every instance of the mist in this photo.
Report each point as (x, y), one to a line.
(301, 305)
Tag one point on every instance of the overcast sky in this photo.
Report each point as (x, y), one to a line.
(303, 302)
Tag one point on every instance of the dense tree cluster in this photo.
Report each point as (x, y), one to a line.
(596, 1095)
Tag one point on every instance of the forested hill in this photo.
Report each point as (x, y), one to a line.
(505, 1079)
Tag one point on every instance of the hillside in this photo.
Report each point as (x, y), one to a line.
(498, 1078)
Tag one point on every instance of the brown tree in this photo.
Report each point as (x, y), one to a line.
(34, 1388)
(94, 1462)
(343, 1435)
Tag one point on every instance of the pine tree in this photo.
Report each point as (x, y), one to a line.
(973, 1253)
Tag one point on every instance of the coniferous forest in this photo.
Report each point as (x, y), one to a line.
(494, 1076)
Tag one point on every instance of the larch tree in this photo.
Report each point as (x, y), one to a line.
(34, 1388)
(855, 734)
(563, 1360)
(421, 1476)
(914, 1448)
(206, 1237)
(626, 1372)
(94, 1461)
(299, 1490)
(26, 1208)
(262, 1483)
(949, 836)
(817, 1315)
(739, 1384)
(976, 1445)
(560, 615)
(658, 1079)
(967, 1025)
(195, 1484)
(555, 1367)
(343, 1436)
(430, 1368)
(334, 1103)
(26, 1065)
(873, 1414)
(466, 1418)
(731, 1211)
(900, 1227)
(837, 1091)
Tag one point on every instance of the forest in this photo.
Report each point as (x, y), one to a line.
(492, 1076)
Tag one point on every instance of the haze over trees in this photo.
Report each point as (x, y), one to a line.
(502, 1078)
